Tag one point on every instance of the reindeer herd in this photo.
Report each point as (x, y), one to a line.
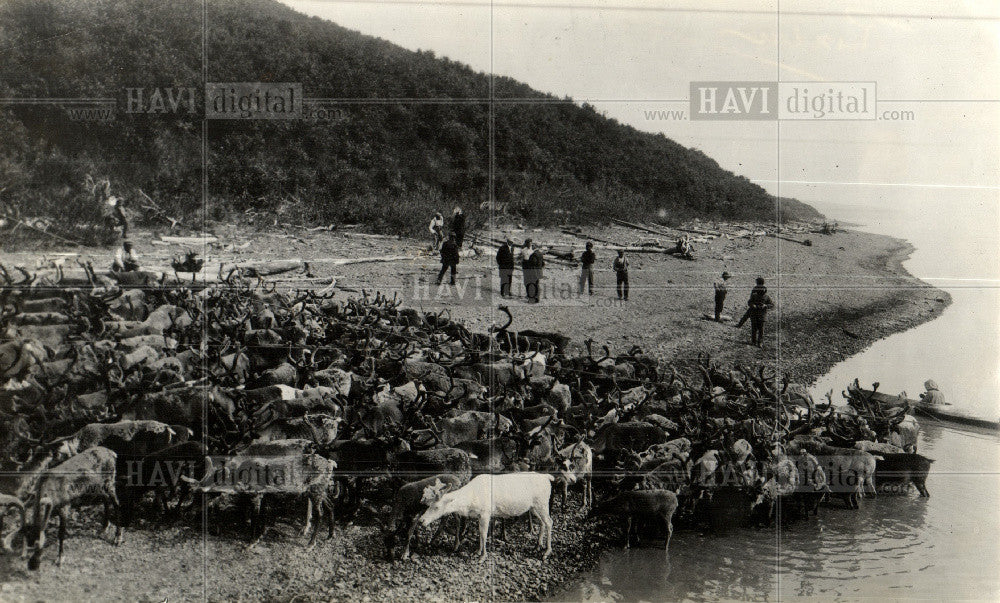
(165, 399)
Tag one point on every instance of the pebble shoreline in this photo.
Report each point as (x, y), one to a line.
(179, 564)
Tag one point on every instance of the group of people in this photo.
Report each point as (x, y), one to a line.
(457, 229)
(450, 246)
(757, 306)
(532, 265)
(533, 262)
(619, 266)
(113, 209)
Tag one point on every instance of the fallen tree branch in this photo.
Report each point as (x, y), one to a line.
(158, 211)
(641, 227)
(189, 240)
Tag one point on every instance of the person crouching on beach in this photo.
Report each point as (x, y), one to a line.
(126, 259)
(449, 258)
(505, 263)
(587, 260)
(620, 266)
(720, 295)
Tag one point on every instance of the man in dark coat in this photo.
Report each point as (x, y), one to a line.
(458, 226)
(587, 260)
(532, 265)
(757, 306)
(449, 258)
(505, 262)
(758, 289)
(720, 296)
(620, 266)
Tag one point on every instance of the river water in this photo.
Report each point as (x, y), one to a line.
(946, 547)
(957, 238)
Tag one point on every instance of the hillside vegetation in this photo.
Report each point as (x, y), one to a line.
(384, 164)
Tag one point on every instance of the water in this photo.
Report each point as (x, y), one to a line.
(946, 547)
(895, 547)
(957, 238)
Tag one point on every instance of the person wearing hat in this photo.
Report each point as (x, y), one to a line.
(449, 258)
(620, 266)
(126, 259)
(587, 260)
(532, 264)
(757, 307)
(720, 295)
(505, 262)
(933, 396)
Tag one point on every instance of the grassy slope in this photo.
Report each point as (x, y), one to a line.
(386, 165)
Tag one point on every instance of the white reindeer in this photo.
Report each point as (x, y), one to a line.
(507, 495)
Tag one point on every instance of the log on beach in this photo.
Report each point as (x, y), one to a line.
(368, 260)
(588, 237)
(271, 268)
(661, 233)
(784, 238)
(700, 232)
(203, 240)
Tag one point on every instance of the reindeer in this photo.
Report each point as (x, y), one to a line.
(411, 500)
(88, 474)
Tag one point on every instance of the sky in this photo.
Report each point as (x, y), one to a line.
(628, 56)
(634, 61)
(932, 178)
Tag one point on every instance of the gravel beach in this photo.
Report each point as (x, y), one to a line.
(833, 297)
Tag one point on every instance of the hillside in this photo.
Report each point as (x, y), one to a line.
(385, 164)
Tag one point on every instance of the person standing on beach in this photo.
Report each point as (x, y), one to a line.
(587, 260)
(720, 295)
(113, 207)
(537, 266)
(757, 307)
(758, 288)
(449, 258)
(458, 226)
(531, 266)
(505, 262)
(526, 272)
(118, 211)
(933, 396)
(437, 230)
(620, 266)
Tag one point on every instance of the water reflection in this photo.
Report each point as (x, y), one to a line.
(896, 546)
(740, 565)
(959, 349)
(946, 547)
